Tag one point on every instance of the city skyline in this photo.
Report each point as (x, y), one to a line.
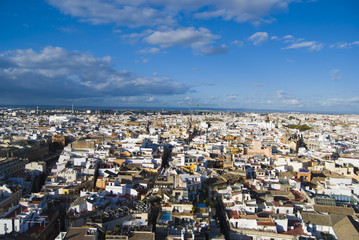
(272, 54)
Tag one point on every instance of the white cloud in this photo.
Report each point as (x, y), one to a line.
(155, 14)
(142, 60)
(345, 44)
(238, 43)
(198, 39)
(188, 99)
(135, 35)
(182, 36)
(255, 11)
(150, 99)
(285, 98)
(341, 101)
(292, 101)
(124, 13)
(288, 37)
(311, 45)
(258, 37)
(335, 74)
(55, 72)
(232, 97)
(116, 30)
(166, 12)
(280, 94)
(150, 50)
(296, 43)
(335, 71)
(211, 50)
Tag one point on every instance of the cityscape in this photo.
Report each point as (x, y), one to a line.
(120, 174)
(179, 120)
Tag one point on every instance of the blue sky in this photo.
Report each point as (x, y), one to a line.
(257, 54)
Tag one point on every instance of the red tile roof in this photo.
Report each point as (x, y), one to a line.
(233, 214)
(265, 223)
(15, 211)
(296, 231)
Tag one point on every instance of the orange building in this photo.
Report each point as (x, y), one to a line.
(304, 175)
(101, 182)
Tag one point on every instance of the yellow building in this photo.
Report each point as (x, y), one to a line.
(101, 182)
